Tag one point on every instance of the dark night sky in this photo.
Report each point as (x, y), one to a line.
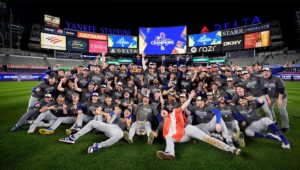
(123, 15)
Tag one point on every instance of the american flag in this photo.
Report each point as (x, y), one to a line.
(54, 40)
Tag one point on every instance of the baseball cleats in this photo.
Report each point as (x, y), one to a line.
(48, 131)
(241, 140)
(235, 134)
(95, 147)
(284, 129)
(127, 137)
(150, 138)
(31, 129)
(70, 139)
(72, 131)
(164, 155)
(236, 151)
(285, 146)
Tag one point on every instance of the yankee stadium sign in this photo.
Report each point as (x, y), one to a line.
(92, 28)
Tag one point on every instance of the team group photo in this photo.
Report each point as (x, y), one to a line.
(79, 92)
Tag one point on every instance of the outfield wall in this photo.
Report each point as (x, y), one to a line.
(20, 77)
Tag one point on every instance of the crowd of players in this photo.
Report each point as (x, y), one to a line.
(217, 104)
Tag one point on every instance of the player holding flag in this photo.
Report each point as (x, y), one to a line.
(175, 129)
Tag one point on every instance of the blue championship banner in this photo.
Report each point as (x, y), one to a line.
(119, 41)
(198, 40)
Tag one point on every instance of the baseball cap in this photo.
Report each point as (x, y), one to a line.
(229, 79)
(48, 95)
(182, 95)
(91, 83)
(95, 94)
(209, 93)
(103, 85)
(85, 68)
(182, 65)
(266, 69)
(189, 73)
(120, 83)
(199, 98)
(71, 79)
(245, 72)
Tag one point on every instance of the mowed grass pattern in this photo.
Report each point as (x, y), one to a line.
(20, 150)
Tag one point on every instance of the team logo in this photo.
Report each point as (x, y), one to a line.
(162, 41)
(204, 40)
(193, 49)
(122, 42)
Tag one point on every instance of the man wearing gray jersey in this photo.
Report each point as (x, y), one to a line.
(253, 85)
(254, 123)
(144, 114)
(209, 120)
(276, 93)
(111, 128)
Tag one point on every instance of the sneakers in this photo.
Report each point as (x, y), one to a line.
(217, 136)
(30, 121)
(68, 131)
(31, 129)
(127, 137)
(235, 135)
(48, 131)
(285, 146)
(284, 129)
(70, 139)
(275, 137)
(95, 147)
(241, 140)
(164, 155)
(72, 131)
(236, 151)
(150, 138)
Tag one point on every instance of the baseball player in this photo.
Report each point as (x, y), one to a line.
(175, 129)
(47, 113)
(209, 120)
(254, 86)
(47, 86)
(276, 93)
(254, 124)
(73, 110)
(229, 115)
(144, 114)
(111, 129)
(33, 112)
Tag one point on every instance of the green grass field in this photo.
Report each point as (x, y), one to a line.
(20, 150)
